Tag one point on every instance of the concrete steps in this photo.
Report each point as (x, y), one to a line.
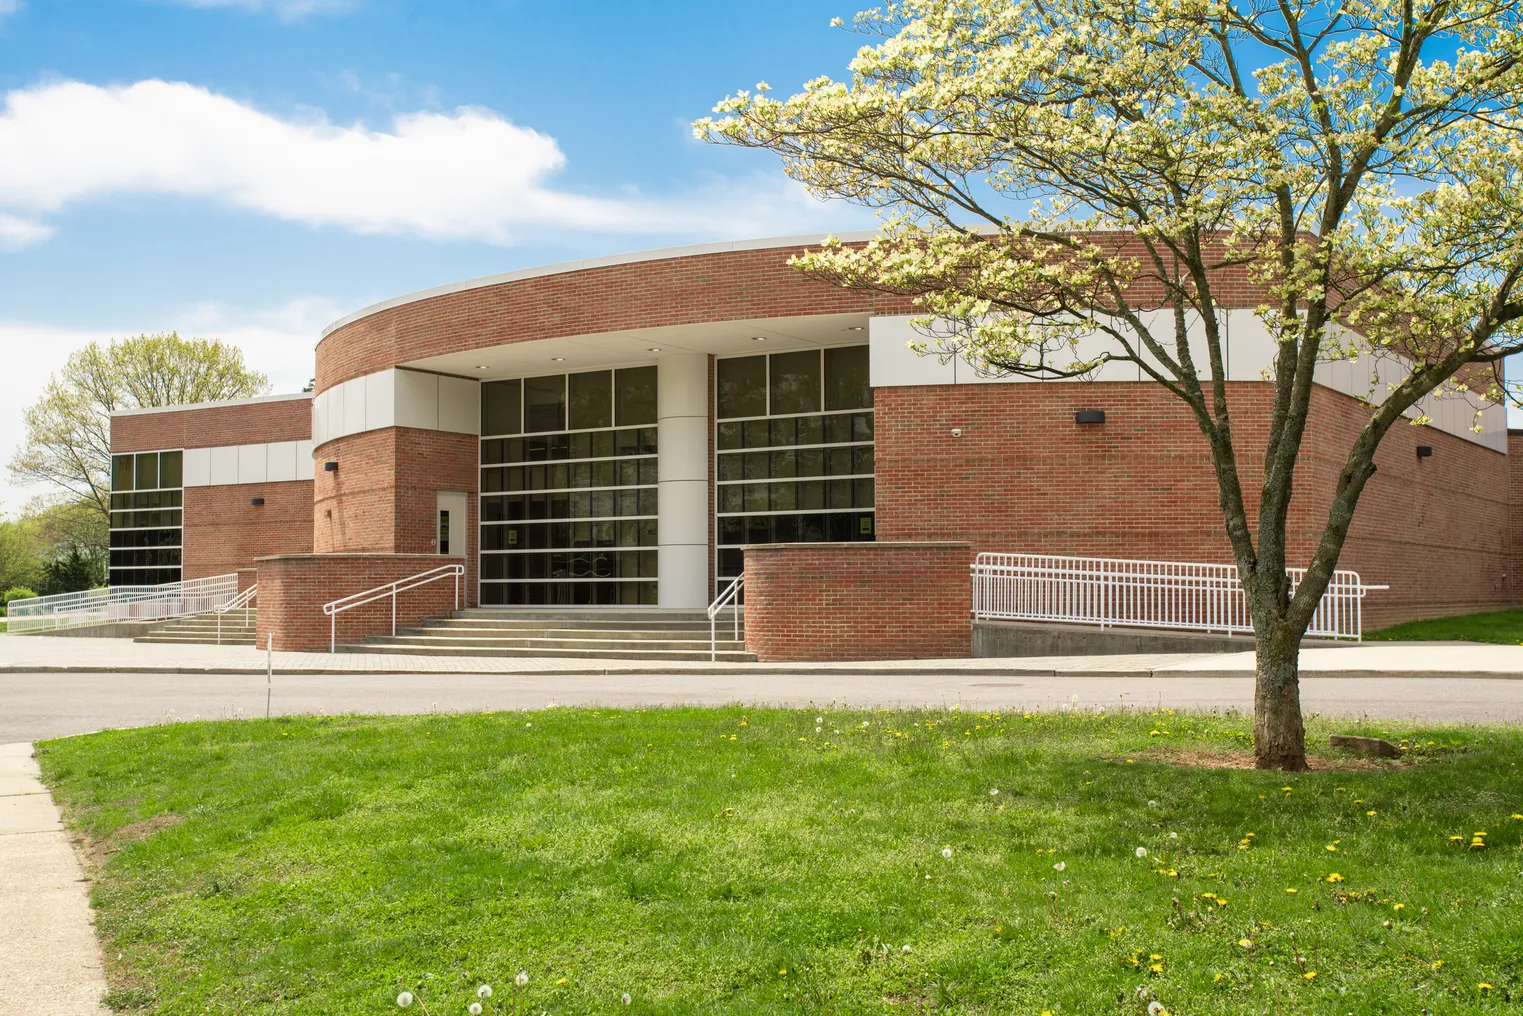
(201, 630)
(615, 634)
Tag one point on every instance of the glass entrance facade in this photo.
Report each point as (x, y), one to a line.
(147, 518)
(568, 489)
(794, 451)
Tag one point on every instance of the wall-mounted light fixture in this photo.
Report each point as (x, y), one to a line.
(256, 501)
(1424, 451)
(330, 467)
(1090, 416)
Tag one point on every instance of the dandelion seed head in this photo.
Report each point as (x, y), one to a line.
(405, 999)
(474, 1009)
(905, 948)
(522, 978)
(1155, 1008)
(1141, 851)
(485, 991)
(624, 998)
(946, 852)
(1060, 866)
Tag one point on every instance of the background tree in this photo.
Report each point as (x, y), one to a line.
(1359, 159)
(68, 430)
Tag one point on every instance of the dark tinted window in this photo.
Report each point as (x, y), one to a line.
(635, 396)
(591, 400)
(121, 472)
(170, 469)
(500, 407)
(545, 403)
(846, 379)
(742, 384)
(795, 382)
(147, 471)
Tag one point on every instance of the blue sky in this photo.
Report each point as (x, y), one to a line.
(252, 169)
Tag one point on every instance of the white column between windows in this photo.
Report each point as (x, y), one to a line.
(682, 479)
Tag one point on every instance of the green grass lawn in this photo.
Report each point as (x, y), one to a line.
(744, 862)
(1503, 627)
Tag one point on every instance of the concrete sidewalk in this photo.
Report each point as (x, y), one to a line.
(37, 654)
(50, 962)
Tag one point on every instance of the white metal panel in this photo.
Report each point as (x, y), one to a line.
(197, 467)
(354, 405)
(224, 465)
(304, 460)
(281, 461)
(320, 418)
(892, 363)
(417, 399)
(253, 463)
(682, 444)
(1250, 348)
(380, 399)
(460, 405)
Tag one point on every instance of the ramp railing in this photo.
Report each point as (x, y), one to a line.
(121, 603)
(1145, 594)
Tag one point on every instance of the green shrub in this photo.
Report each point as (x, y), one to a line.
(16, 593)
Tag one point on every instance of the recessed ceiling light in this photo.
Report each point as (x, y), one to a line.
(853, 328)
(758, 338)
(557, 359)
(654, 349)
(481, 366)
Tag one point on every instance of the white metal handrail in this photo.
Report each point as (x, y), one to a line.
(336, 607)
(731, 598)
(121, 603)
(1145, 594)
(241, 601)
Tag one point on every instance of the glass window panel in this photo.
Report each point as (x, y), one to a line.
(757, 465)
(839, 463)
(811, 430)
(729, 435)
(811, 528)
(840, 528)
(647, 501)
(862, 460)
(581, 446)
(783, 497)
(635, 395)
(515, 450)
(648, 440)
(647, 471)
(628, 502)
(784, 431)
(809, 462)
(558, 477)
(591, 399)
(147, 471)
(605, 473)
(170, 469)
(121, 472)
(758, 529)
(629, 472)
(862, 496)
(838, 493)
(648, 531)
(755, 434)
(602, 444)
(500, 407)
(730, 467)
(741, 384)
(846, 379)
(756, 499)
(811, 495)
(861, 426)
(730, 499)
(782, 463)
(795, 382)
(545, 403)
(837, 429)
(785, 528)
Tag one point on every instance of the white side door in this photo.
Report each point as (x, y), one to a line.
(452, 533)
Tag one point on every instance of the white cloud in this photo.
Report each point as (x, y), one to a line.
(463, 175)
(9, 7)
(17, 233)
(286, 10)
(278, 341)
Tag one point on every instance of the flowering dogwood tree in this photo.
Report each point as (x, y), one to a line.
(1070, 183)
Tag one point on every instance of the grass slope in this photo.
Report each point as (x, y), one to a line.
(723, 861)
(1502, 627)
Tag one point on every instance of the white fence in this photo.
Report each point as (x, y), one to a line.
(122, 603)
(1144, 594)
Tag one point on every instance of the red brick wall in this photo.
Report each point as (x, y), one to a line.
(293, 589)
(1024, 477)
(383, 496)
(723, 286)
(1515, 513)
(858, 601)
(214, 426)
(224, 532)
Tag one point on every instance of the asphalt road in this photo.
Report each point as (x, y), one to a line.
(39, 706)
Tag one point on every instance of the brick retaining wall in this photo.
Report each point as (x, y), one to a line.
(294, 587)
(858, 601)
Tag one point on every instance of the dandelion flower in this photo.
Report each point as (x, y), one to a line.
(1371, 813)
(1484, 986)
(946, 852)
(1310, 975)
(522, 978)
(485, 991)
(1246, 943)
(1335, 877)
(1141, 851)
(905, 948)
(405, 999)
(1292, 891)
(1155, 1008)
(1059, 866)
(474, 1009)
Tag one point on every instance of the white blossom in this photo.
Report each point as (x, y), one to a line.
(522, 978)
(1060, 866)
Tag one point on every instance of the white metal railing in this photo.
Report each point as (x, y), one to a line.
(729, 598)
(122, 603)
(391, 589)
(239, 602)
(1145, 594)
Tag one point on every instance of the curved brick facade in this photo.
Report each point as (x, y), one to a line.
(692, 289)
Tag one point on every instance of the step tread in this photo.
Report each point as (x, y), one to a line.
(610, 654)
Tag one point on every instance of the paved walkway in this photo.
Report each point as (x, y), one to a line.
(42, 654)
(50, 963)
(37, 706)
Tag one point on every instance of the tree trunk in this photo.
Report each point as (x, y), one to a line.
(1279, 737)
